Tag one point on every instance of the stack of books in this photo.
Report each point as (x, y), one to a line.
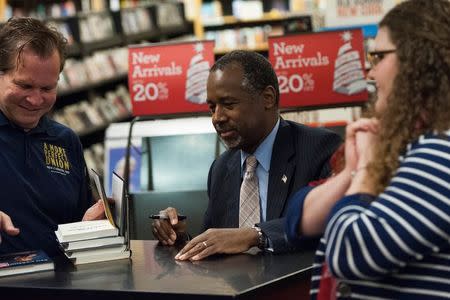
(91, 241)
(100, 240)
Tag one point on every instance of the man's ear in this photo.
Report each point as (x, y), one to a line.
(270, 98)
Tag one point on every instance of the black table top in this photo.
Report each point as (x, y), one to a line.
(152, 270)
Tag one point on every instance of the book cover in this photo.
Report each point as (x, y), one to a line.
(96, 252)
(93, 244)
(101, 191)
(85, 230)
(25, 262)
(100, 257)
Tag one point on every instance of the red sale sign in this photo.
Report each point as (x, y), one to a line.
(169, 78)
(317, 69)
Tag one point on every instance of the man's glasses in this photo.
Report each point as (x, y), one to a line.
(374, 57)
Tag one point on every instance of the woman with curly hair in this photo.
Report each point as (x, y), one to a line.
(388, 237)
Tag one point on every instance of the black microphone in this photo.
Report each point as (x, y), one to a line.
(126, 175)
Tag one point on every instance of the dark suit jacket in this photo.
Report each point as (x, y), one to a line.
(299, 152)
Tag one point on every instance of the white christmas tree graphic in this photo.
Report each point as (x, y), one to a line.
(197, 76)
(348, 72)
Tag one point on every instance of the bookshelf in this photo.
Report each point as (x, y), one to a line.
(253, 34)
(235, 28)
(93, 91)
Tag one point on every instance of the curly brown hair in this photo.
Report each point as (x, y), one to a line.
(420, 97)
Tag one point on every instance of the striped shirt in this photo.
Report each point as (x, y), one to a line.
(398, 246)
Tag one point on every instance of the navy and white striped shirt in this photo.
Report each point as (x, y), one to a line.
(398, 246)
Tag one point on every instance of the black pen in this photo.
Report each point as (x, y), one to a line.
(164, 217)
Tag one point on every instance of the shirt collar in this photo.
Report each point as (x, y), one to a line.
(44, 124)
(3, 119)
(264, 151)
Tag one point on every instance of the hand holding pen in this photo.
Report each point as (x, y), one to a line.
(168, 226)
(165, 217)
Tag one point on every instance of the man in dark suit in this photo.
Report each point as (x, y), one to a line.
(243, 96)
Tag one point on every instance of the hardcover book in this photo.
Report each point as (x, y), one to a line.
(96, 252)
(85, 230)
(93, 244)
(25, 262)
(79, 260)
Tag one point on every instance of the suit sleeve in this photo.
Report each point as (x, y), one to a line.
(207, 218)
(280, 232)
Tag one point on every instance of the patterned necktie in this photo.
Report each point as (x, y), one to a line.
(249, 211)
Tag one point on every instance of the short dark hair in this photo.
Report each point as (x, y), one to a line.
(18, 34)
(258, 72)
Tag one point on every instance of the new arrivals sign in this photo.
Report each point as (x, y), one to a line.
(169, 78)
(317, 69)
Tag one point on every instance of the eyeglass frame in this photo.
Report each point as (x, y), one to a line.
(374, 57)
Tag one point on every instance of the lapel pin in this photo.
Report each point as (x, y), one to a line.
(284, 178)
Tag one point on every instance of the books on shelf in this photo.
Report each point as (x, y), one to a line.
(211, 12)
(96, 27)
(168, 14)
(65, 30)
(247, 10)
(98, 5)
(25, 262)
(85, 116)
(99, 240)
(136, 20)
(94, 156)
(253, 38)
(102, 65)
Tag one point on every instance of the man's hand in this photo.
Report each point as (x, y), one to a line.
(223, 240)
(7, 226)
(167, 230)
(95, 212)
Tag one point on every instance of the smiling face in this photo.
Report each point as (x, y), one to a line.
(241, 118)
(28, 91)
(385, 71)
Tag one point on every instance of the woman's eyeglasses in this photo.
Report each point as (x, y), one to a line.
(374, 57)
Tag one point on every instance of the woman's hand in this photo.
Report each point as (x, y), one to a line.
(360, 138)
